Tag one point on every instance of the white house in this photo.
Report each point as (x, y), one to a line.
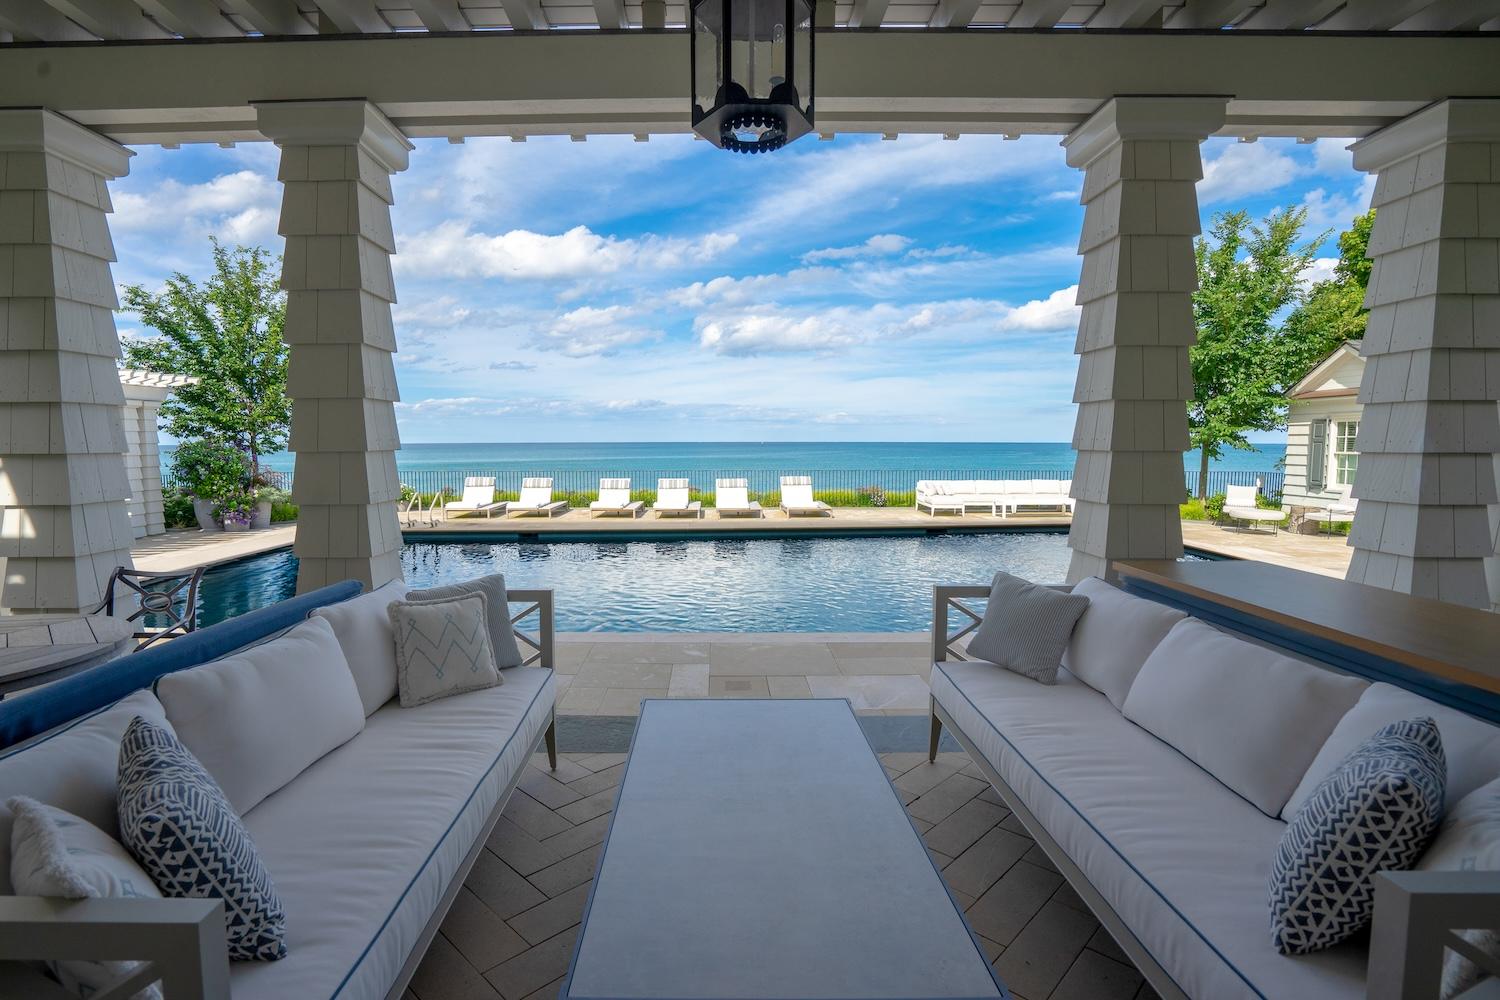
(1322, 424)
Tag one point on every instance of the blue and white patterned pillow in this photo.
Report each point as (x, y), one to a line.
(1376, 812)
(181, 828)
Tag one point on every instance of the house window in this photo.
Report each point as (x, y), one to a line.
(1345, 457)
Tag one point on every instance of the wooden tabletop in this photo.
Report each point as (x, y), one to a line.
(1447, 640)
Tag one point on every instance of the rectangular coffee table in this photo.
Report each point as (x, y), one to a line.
(758, 852)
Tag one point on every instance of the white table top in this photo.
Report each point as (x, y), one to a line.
(758, 850)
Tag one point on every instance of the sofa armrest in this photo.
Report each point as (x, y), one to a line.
(946, 597)
(181, 939)
(1417, 919)
(542, 640)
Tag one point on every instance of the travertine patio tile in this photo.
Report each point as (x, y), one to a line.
(580, 699)
(533, 817)
(626, 701)
(888, 666)
(481, 937)
(499, 887)
(1036, 961)
(923, 776)
(568, 769)
(738, 687)
(1104, 943)
(992, 949)
(557, 879)
(519, 849)
(579, 837)
(874, 691)
(551, 991)
(764, 658)
(978, 868)
(599, 780)
(444, 974)
(624, 674)
(567, 657)
(903, 762)
(788, 687)
(552, 916)
(965, 825)
(1069, 898)
(944, 798)
(599, 761)
(649, 652)
(586, 809)
(895, 648)
(546, 789)
(990, 795)
(529, 972)
(689, 680)
(939, 858)
(1038, 857)
(1008, 905)
(1094, 977)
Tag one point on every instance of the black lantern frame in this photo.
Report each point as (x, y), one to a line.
(752, 72)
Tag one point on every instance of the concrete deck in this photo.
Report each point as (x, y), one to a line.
(511, 930)
(183, 549)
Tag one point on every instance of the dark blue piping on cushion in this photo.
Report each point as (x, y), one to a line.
(1107, 842)
(26, 715)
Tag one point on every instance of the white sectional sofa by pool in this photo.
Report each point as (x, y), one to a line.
(367, 841)
(1162, 768)
(1002, 496)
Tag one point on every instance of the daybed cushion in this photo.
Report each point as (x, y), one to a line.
(442, 648)
(364, 842)
(497, 611)
(1250, 717)
(73, 767)
(1181, 858)
(364, 631)
(1471, 746)
(257, 719)
(1114, 637)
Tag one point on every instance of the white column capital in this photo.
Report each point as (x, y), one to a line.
(335, 123)
(37, 130)
(1466, 119)
(1124, 117)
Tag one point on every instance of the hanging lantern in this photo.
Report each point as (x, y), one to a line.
(752, 72)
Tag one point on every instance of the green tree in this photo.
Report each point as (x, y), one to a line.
(1244, 361)
(227, 332)
(1333, 311)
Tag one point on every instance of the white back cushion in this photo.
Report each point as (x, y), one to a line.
(1113, 638)
(535, 496)
(73, 768)
(731, 496)
(259, 718)
(1248, 716)
(364, 633)
(1472, 747)
(614, 496)
(797, 495)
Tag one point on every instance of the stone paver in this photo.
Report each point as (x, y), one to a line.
(511, 931)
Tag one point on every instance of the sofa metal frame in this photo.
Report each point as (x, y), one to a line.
(181, 942)
(1418, 915)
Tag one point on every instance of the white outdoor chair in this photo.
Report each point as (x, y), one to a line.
(614, 498)
(732, 497)
(478, 497)
(797, 497)
(536, 498)
(672, 498)
(1239, 505)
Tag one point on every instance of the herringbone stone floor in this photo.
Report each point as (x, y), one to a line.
(510, 933)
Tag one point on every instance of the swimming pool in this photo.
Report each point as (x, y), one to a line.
(693, 584)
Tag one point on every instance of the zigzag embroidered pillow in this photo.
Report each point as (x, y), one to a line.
(180, 827)
(442, 648)
(1376, 812)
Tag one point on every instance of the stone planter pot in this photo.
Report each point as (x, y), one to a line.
(203, 510)
(234, 526)
(262, 515)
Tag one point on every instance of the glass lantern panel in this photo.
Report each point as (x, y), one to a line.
(708, 53)
(802, 14)
(758, 50)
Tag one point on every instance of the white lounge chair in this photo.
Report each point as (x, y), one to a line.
(1239, 505)
(732, 496)
(672, 498)
(536, 498)
(478, 497)
(797, 497)
(1338, 512)
(614, 498)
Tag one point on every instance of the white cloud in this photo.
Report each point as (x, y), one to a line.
(511, 366)
(240, 208)
(588, 331)
(1062, 194)
(1058, 311)
(1332, 156)
(1243, 169)
(876, 246)
(1335, 211)
(1320, 269)
(452, 250)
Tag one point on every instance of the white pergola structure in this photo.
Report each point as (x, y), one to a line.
(1133, 85)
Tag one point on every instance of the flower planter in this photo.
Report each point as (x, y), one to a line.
(262, 516)
(233, 526)
(203, 510)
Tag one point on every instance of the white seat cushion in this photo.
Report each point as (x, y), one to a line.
(1472, 747)
(364, 842)
(1181, 858)
(364, 631)
(1114, 637)
(1247, 714)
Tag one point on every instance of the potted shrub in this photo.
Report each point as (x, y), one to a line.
(208, 471)
(237, 511)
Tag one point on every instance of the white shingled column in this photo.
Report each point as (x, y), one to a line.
(64, 525)
(1431, 427)
(1141, 166)
(337, 158)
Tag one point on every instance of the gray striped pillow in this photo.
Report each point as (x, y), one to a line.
(1027, 627)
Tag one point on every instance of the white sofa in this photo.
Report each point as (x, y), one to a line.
(1159, 829)
(367, 847)
(1001, 496)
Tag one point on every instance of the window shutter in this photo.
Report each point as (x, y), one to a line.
(1317, 456)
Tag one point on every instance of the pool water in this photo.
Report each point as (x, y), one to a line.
(801, 584)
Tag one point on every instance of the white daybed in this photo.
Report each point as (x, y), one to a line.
(732, 496)
(478, 498)
(614, 498)
(672, 498)
(797, 497)
(1240, 505)
(536, 498)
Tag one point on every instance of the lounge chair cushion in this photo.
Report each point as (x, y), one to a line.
(1249, 716)
(442, 648)
(1026, 627)
(1181, 858)
(1472, 746)
(257, 719)
(1376, 813)
(1114, 637)
(1468, 840)
(497, 613)
(364, 632)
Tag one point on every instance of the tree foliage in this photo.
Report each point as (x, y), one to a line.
(1333, 311)
(227, 332)
(1244, 360)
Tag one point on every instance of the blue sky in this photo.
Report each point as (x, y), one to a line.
(857, 289)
